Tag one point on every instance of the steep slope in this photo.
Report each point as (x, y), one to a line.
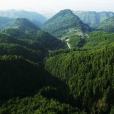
(63, 22)
(23, 38)
(36, 18)
(99, 40)
(13, 46)
(22, 25)
(107, 25)
(89, 76)
(92, 18)
(25, 30)
(20, 77)
(23, 46)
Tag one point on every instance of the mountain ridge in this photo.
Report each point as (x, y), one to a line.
(63, 22)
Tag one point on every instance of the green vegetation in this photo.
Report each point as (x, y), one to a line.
(93, 18)
(107, 25)
(64, 22)
(75, 39)
(92, 40)
(21, 77)
(98, 40)
(37, 105)
(89, 76)
(25, 39)
(40, 75)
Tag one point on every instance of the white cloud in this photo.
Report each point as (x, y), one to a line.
(55, 5)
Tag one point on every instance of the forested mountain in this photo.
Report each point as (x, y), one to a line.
(107, 25)
(66, 85)
(12, 46)
(93, 18)
(22, 24)
(63, 22)
(18, 23)
(25, 30)
(99, 40)
(89, 76)
(21, 77)
(40, 75)
(23, 38)
(15, 71)
(34, 17)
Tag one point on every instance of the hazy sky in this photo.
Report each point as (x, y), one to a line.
(47, 6)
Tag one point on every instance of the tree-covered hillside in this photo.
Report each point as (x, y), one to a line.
(37, 105)
(34, 50)
(20, 77)
(63, 22)
(99, 40)
(25, 30)
(89, 76)
(23, 38)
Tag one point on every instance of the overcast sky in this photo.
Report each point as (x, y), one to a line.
(47, 6)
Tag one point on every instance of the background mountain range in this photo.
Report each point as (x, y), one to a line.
(70, 26)
(34, 17)
(93, 18)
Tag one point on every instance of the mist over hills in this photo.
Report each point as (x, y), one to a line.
(34, 17)
(107, 25)
(93, 18)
